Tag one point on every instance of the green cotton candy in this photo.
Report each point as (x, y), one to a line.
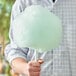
(37, 28)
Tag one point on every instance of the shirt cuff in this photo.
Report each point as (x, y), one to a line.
(12, 57)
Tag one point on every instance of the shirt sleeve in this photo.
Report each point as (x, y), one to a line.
(12, 51)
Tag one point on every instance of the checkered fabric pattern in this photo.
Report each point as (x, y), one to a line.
(60, 61)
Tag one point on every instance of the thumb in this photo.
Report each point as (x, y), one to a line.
(40, 61)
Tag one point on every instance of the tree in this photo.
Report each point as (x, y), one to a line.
(5, 10)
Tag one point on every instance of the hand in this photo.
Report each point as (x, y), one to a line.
(33, 68)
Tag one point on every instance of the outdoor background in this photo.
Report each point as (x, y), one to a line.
(5, 12)
(69, 18)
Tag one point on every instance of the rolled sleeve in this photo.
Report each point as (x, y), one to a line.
(11, 50)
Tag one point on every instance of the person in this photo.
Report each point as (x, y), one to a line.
(57, 62)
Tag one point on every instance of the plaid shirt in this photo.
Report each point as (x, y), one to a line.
(60, 61)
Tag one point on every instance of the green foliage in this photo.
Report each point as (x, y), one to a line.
(5, 10)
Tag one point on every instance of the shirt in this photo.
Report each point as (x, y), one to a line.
(60, 61)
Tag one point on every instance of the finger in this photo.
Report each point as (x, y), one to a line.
(35, 64)
(34, 74)
(40, 61)
(35, 69)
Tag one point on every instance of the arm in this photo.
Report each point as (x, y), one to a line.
(30, 69)
(16, 56)
(13, 53)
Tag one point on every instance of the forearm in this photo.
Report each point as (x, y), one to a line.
(19, 65)
(31, 68)
(16, 57)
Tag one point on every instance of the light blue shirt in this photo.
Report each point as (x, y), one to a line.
(60, 61)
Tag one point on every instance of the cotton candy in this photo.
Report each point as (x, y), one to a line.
(36, 27)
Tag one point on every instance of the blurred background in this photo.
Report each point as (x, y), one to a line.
(5, 12)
